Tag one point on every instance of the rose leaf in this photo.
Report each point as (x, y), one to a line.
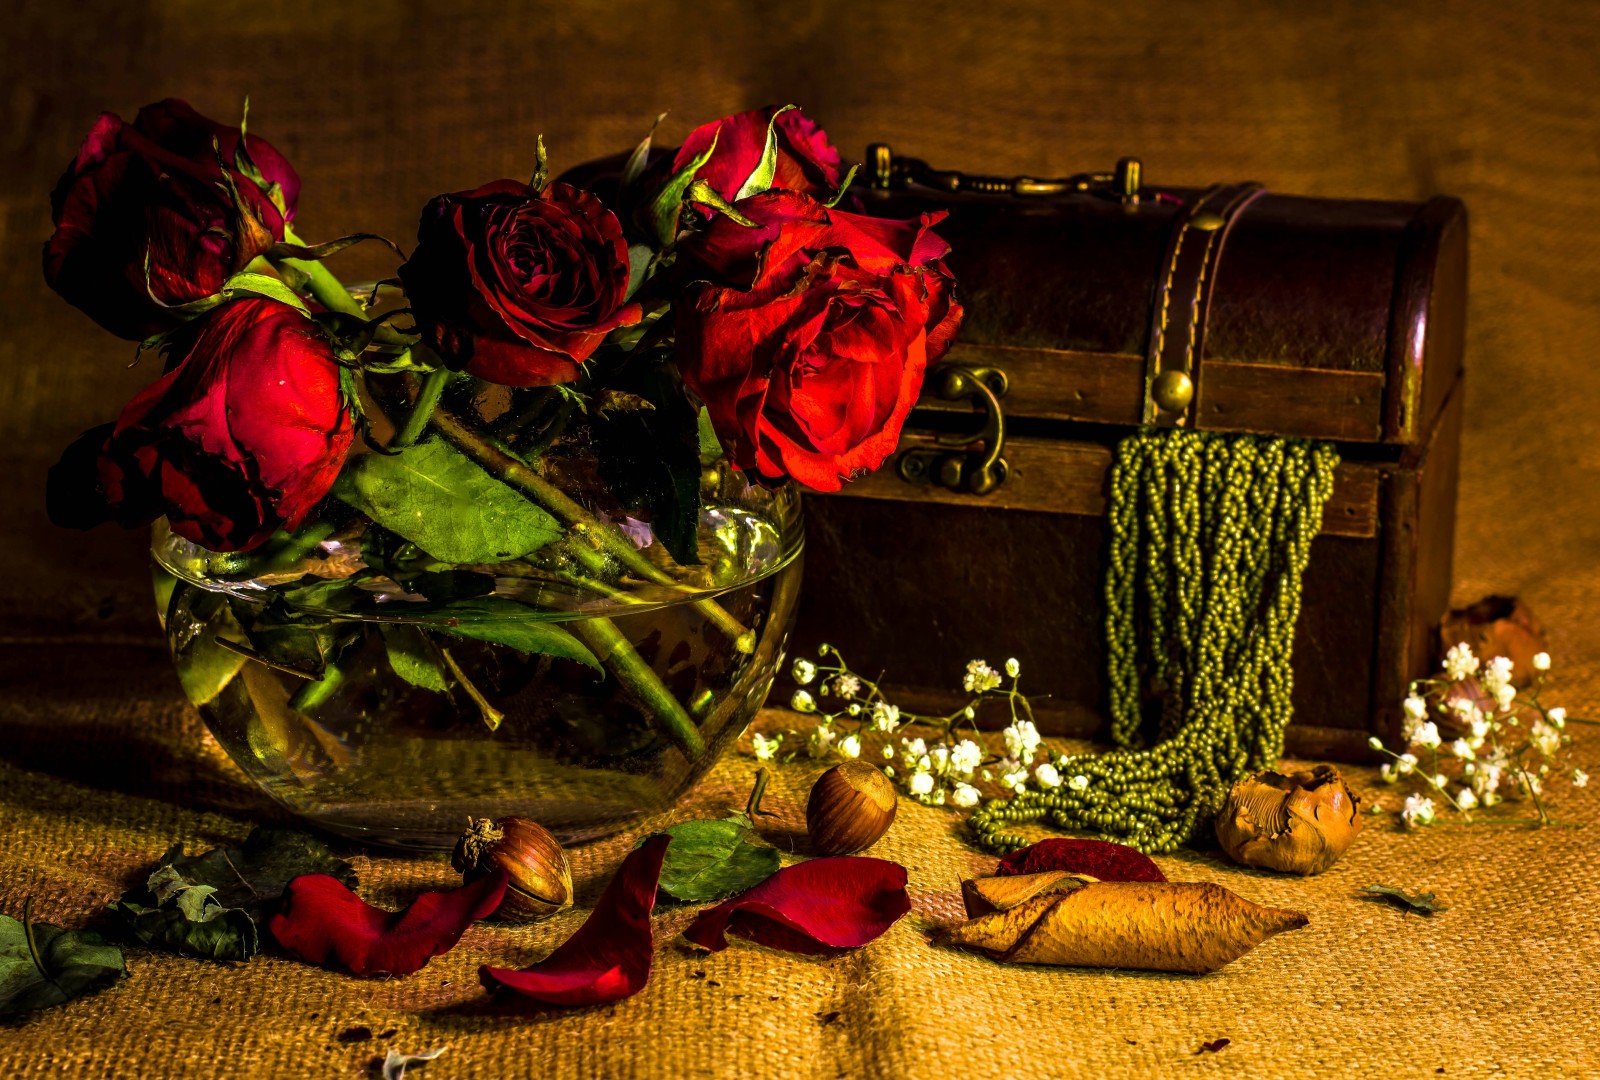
(43, 965)
(413, 657)
(434, 496)
(326, 924)
(609, 957)
(1097, 858)
(210, 905)
(505, 622)
(662, 213)
(761, 177)
(711, 859)
(836, 903)
(1421, 903)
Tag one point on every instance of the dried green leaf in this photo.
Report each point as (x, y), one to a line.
(714, 858)
(761, 177)
(43, 965)
(640, 156)
(1421, 903)
(434, 496)
(210, 905)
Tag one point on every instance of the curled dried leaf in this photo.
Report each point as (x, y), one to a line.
(1497, 626)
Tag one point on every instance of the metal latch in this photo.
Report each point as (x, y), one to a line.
(886, 170)
(954, 462)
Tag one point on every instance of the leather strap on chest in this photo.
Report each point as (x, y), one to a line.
(1182, 298)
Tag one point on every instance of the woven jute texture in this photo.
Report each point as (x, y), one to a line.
(381, 104)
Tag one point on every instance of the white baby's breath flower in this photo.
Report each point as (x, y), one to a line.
(1046, 776)
(1417, 811)
(888, 752)
(1459, 663)
(846, 686)
(802, 701)
(885, 717)
(1416, 708)
(913, 748)
(939, 758)
(1440, 780)
(979, 677)
(1406, 764)
(1022, 740)
(1013, 667)
(924, 764)
(1557, 717)
(1388, 772)
(965, 757)
(970, 713)
(1541, 661)
(920, 784)
(765, 749)
(1462, 749)
(938, 797)
(1527, 782)
(1580, 778)
(1426, 735)
(888, 770)
(1545, 738)
(1466, 799)
(804, 671)
(964, 796)
(820, 741)
(1485, 780)
(1079, 783)
(1496, 673)
(1504, 695)
(849, 746)
(1015, 779)
(854, 709)
(1375, 742)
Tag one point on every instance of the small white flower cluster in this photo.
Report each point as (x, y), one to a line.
(1478, 705)
(940, 773)
(980, 678)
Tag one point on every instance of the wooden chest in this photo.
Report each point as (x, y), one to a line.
(1096, 304)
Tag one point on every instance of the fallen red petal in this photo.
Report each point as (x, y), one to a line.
(1097, 858)
(609, 957)
(324, 923)
(836, 903)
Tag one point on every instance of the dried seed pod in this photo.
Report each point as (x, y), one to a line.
(1154, 926)
(540, 878)
(1300, 823)
(851, 805)
(1497, 626)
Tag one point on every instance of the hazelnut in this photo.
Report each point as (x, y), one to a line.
(540, 878)
(851, 806)
(1300, 823)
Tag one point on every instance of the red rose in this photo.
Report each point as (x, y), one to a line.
(810, 371)
(242, 436)
(518, 286)
(146, 217)
(807, 162)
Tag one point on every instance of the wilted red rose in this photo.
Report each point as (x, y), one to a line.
(1097, 858)
(807, 162)
(245, 432)
(146, 219)
(811, 362)
(518, 286)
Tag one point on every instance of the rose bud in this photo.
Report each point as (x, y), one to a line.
(1300, 823)
(147, 219)
(242, 436)
(811, 361)
(1497, 626)
(851, 806)
(540, 878)
(807, 162)
(518, 286)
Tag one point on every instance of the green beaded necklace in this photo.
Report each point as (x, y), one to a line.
(1219, 528)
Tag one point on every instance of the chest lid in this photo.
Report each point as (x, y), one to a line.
(1104, 300)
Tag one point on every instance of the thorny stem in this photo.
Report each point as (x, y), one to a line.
(614, 650)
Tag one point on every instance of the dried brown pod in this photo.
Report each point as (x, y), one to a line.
(1299, 823)
(539, 876)
(851, 806)
(1497, 626)
(1192, 927)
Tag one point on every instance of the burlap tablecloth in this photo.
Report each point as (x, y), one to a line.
(381, 104)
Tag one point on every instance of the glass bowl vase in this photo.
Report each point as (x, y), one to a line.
(386, 696)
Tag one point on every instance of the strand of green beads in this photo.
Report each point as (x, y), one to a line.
(1221, 529)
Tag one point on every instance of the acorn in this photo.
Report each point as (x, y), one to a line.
(851, 805)
(540, 878)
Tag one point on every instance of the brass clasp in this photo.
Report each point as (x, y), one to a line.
(954, 462)
(886, 169)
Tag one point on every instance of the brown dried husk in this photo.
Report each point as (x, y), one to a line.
(1299, 823)
(1190, 927)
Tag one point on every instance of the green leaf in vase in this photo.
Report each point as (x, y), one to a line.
(204, 666)
(211, 905)
(506, 622)
(414, 658)
(715, 858)
(434, 496)
(43, 965)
